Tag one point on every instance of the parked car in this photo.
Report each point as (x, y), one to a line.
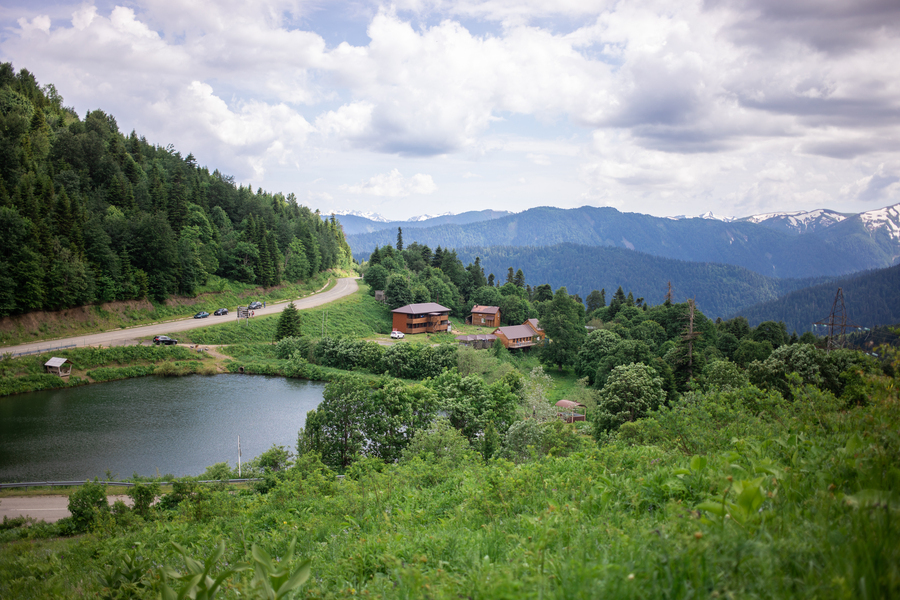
(164, 340)
(255, 305)
(220, 312)
(201, 315)
(397, 335)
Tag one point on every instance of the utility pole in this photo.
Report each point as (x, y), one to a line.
(689, 336)
(837, 322)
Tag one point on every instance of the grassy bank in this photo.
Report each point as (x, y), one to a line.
(26, 374)
(357, 315)
(797, 501)
(218, 293)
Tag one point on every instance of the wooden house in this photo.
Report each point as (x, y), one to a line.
(484, 316)
(427, 317)
(521, 336)
(58, 366)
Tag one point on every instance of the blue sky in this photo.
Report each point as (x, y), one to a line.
(431, 106)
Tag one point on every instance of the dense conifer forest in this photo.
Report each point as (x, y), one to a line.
(89, 214)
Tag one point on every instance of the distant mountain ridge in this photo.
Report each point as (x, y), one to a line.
(869, 240)
(360, 223)
(719, 290)
(871, 298)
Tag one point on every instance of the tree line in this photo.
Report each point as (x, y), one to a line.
(89, 214)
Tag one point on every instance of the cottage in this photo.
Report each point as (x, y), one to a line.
(484, 316)
(427, 317)
(58, 366)
(521, 336)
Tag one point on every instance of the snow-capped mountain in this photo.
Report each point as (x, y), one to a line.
(426, 217)
(887, 218)
(798, 221)
(365, 215)
(707, 215)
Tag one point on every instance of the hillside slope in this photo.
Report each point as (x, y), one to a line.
(719, 289)
(871, 299)
(844, 248)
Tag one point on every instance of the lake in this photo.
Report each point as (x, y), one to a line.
(149, 425)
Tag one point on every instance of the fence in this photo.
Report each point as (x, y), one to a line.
(42, 350)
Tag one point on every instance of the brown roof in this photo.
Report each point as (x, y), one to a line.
(488, 310)
(568, 404)
(534, 323)
(514, 332)
(418, 309)
(481, 337)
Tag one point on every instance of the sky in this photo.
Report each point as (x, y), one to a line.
(416, 107)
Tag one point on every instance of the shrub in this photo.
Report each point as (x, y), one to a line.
(86, 503)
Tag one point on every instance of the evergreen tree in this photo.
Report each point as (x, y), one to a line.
(288, 323)
(399, 239)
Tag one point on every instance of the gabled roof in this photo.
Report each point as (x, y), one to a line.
(513, 332)
(569, 404)
(418, 309)
(534, 324)
(488, 310)
(56, 362)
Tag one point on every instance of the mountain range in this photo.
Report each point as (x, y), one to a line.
(355, 223)
(781, 245)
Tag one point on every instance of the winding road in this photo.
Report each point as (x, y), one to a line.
(344, 287)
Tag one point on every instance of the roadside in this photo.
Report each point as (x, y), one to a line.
(342, 287)
(45, 508)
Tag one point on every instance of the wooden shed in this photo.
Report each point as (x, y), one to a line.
(58, 366)
(568, 411)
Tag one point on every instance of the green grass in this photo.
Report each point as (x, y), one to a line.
(357, 315)
(218, 293)
(810, 498)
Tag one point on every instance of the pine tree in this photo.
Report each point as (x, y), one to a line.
(288, 323)
(400, 238)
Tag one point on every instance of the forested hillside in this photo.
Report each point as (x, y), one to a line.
(871, 299)
(844, 248)
(718, 289)
(88, 214)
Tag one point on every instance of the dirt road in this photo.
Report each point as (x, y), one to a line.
(345, 286)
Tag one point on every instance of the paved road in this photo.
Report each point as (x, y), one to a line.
(43, 508)
(344, 287)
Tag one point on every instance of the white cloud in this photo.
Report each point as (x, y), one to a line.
(731, 106)
(394, 185)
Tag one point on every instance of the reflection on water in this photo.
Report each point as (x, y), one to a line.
(176, 425)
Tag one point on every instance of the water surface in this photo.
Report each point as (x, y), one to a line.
(149, 425)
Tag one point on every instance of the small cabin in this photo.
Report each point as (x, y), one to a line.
(484, 316)
(58, 366)
(570, 411)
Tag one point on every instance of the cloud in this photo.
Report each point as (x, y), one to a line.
(750, 103)
(394, 185)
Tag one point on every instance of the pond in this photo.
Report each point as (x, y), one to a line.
(150, 426)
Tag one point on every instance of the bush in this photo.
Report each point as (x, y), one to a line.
(86, 503)
(143, 495)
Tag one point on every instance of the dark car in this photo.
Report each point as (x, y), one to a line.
(201, 315)
(255, 305)
(221, 311)
(165, 340)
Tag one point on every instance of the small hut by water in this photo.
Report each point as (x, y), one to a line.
(58, 366)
